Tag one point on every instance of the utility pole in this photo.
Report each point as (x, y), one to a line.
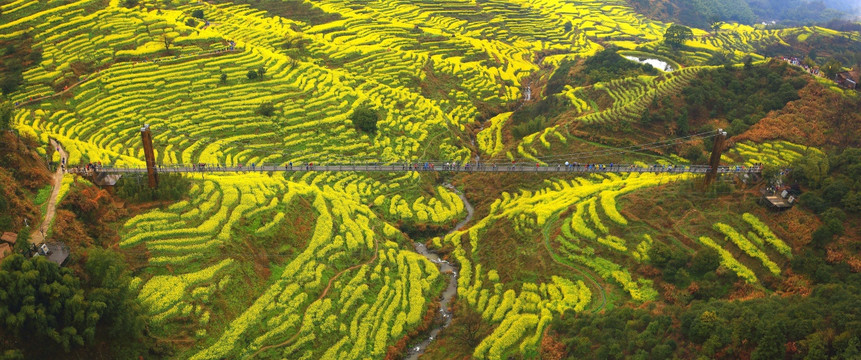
(146, 136)
(714, 160)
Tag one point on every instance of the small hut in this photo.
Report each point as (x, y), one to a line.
(845, 80)
(56, 252)
(781, 199)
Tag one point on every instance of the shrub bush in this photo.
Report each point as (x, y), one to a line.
(365, 119)
(266, 109)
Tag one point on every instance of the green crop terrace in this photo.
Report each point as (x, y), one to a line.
(349, 286)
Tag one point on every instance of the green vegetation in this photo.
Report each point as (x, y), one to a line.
(6, 111)
(676, 35)
(292, 9)
(266, 109)
(714, 329)
(604, 66)
(703, 13)
(42, 195)
(171, 187)
(365, 118)
(309, 264)
(46, 306)
(833, 191)
(741, 96)
(16, 56)
(60, 313)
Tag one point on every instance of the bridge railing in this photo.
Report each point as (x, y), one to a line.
(427, 166)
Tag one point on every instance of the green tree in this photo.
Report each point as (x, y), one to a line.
(831, 68)
(771, 344)
(109, 280)
(22, 242)
(671, 261)
(737, 127)
(40, 301)
(6, 109)
(705, 260)
(850, 162)
(223, 78)
(10, 80)
(682, 123)
(853, 349)
(251, 75)
(852, 202)
(676, 35)
(266, 109)
(365, 119)
(811, 169)
(167, 38)
(715, 25)
(295, 42)
(816, 347)
(198, 14)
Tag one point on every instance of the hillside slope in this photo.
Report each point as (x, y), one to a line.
(702, 13)
(311, 264)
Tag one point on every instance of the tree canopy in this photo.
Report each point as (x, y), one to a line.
(811, 169)
(832, 68)
(39, 300)
(365, 118)
(676, 35)
(6, 115)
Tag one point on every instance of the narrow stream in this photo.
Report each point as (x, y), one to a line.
(446, 268)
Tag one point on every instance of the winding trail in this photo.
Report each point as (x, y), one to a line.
(445, 267)
(38, 235)
(39, 99)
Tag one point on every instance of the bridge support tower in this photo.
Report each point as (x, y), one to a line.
(146, 136)
(714, 160)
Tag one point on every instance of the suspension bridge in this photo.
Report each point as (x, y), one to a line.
(429, 167)
(553, 164)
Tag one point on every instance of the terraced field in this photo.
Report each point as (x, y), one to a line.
(338, 279)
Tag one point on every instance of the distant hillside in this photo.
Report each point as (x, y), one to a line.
(701, 13)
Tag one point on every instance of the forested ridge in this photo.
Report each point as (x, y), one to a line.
(703, 13)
